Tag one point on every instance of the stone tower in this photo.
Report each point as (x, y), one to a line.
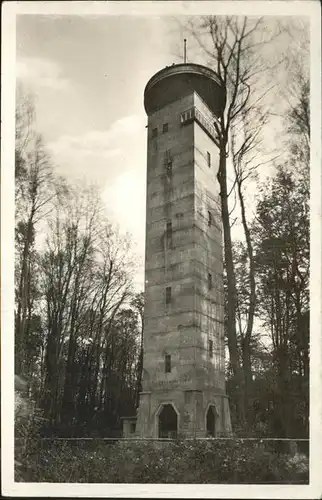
(183, 382)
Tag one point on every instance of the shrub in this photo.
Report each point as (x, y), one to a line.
(213, 461)
(28, 419)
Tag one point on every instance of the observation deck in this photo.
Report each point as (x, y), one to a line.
(178, 80)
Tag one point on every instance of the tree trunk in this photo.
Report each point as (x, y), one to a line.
(23, 297)
(231, 285)
(247, 367)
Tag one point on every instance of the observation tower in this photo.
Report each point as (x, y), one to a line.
(183, 381)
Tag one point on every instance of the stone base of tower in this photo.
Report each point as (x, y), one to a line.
(183, 414)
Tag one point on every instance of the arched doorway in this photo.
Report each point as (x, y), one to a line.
(168, 422)
(211, 421)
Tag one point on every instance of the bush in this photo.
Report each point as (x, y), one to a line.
(213, 461)
(28, 420)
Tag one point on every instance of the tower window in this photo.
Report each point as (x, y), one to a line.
(209, 159)
(169, 234)
(211, 348)
(209, 218)
(209, 281)
(167, 157)
(165, 127)
(167, 363)
(168, 295)
(167, 160)
(154, 132)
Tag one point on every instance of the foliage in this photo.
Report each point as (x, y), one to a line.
(28, 422)
(199, 462)
(281, 234)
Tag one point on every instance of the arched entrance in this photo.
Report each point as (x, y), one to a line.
(211, 421)
(168, 422)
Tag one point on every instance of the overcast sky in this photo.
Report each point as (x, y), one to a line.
(88, 75)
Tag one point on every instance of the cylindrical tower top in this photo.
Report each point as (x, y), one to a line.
(178, 80)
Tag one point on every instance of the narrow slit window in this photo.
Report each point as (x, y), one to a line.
(209, 281)
(169, 234)
(209, 159)
(167, 157)
(167, 363)
(209, 218)
(168, 295)
(165, 128)
(211, 348)
(154, 132)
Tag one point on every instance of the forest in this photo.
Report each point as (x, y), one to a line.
(78, 315)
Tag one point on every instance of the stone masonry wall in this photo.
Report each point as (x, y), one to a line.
(183, 258)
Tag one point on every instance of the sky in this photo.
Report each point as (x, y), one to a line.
(88, 76)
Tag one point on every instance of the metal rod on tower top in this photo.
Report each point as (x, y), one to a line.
(185, 50)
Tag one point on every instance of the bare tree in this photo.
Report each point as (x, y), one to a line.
(232, 47)
(138, 304)
(86, 281)
(34, 194)
(248, 155)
